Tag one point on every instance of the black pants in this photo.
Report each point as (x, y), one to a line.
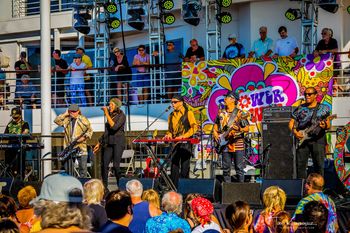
(317, 151)
(14, 161)
(112, 153)
(180, 162)
(239, 163)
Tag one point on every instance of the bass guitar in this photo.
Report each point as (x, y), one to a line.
(222, 141)
(307, 132)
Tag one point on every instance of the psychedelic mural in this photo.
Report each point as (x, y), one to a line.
(259, 82)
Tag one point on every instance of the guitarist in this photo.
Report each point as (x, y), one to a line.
(309, 114)
(75, 124)
(181, 124)
(232, 118)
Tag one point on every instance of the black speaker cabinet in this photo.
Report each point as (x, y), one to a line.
(294, 188)
(248, 192)
(206, 187)
(278, 150)
(147, 183)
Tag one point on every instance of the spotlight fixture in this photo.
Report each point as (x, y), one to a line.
(166, 4)
(293, 14)
(114, 23)
(330, 6)
(224, 3)
(136, 11)
(81, 19)
(167, 18)
(224, 17)
(348, 9)
(190, 11)
(111, 7)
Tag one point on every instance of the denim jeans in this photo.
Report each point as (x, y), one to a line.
(238, 158)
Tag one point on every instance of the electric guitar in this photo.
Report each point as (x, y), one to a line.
(306, 132)
(222, 141)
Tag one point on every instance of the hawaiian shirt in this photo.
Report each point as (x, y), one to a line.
(16, 128)
(165, 223)
(327, 202)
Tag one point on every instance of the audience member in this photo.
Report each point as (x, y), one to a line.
(142, 60)
(281, 223)
(25, 214)
(93, 197)
(313, 187)
(22, 66)
(119, 212)
(203, 209)
(274, 200)
(4, 90)
(152, 197)
(35, 61)
(168, 220)
(314, 216)
(8, 226)
(287, 45)
(327, 44)
(8, 208)
(173, 72)
(188, 213)
(75, 89)
(60, 205)
(120, 75)
(262, 46)
(88, 80)
(142, 210)
(234, 49)
(240, 216)
(57, 83)
(26, 93)
(194, 52)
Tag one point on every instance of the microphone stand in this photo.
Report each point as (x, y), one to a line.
(201, 137)
(147, 129)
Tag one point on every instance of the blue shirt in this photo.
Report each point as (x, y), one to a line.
(261, 47)
(25, 91)
(233, 51)
(140, 217)
(167, 222)
(111, 227)
(173, 57)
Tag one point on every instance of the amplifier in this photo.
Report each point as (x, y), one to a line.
(277, 114)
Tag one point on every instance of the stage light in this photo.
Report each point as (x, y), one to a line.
(224, 3)
(168, 18)
(111, 7)
(293, 14)
(191, 10)
(348, 9)
(114, 23)
(81, 19)
(224, 17)
(329, 5)
(166, 4)
(136, 11)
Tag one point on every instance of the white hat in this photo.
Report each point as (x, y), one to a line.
(232, 35)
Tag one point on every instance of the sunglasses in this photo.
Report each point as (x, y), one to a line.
(141, 50)
(309, 94)
(72, 111)
(324, 33)
(175, 102)
(116, 51)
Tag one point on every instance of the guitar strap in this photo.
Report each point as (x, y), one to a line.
(232, 117)
(313, 118)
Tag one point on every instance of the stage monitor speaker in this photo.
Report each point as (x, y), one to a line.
(294, 188)
(248, 192)
(6, 185)
(147, 183)
(84, 180)
(278, 152)
(206, 187)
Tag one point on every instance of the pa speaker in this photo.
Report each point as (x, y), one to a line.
(6, 185)
(294, 188)
(146, 183)
(248, 192)
(206, 187)
(278, 155)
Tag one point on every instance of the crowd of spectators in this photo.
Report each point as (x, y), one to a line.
(65, 205)
(72, 84)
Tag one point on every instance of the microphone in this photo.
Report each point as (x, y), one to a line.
(105, 107)
(168, 108)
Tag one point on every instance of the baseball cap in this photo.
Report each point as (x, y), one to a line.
(178, 97)
(77, 55)
(232, 35)
(61, 187)
(80, 48)
(73, 108)
(117, 102)
(16, 111)
(232, 94)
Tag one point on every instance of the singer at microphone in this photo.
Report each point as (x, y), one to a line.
(182, 124)
(112, 142)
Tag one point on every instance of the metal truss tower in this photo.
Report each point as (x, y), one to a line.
(101, 42)
(309, 23)
(213, 29)
(156, 39)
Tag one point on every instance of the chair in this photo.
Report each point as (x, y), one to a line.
(127, 162)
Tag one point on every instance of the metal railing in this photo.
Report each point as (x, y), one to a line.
(22, 8)
(131, 89)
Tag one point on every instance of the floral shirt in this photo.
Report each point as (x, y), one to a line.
(165, 223)
(327, 202)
